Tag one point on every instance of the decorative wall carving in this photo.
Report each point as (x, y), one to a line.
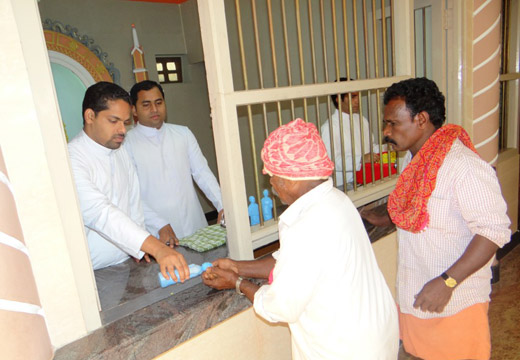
(66, 39)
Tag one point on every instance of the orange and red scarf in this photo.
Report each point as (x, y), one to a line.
(407, 204)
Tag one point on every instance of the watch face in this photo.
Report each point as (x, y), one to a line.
(450, 282)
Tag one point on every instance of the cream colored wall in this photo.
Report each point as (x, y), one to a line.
(385, 250)
(243, 336)
(507, 172)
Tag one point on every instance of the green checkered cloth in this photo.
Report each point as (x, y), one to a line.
(205, 239)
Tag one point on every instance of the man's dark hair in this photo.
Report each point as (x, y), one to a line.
(419, 94)
(144, 85)
(99, 94)
(334, 97)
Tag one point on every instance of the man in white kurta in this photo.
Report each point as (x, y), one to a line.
(108, 188)
(168, 158)
(108, 192)
(362, 137)
(325, 283)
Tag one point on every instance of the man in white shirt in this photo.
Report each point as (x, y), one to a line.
(108, 188)
(349, 106)
(168, 158)
(324, 281)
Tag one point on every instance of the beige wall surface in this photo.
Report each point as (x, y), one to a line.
(507, 172)
(243, 336)
(161, 30)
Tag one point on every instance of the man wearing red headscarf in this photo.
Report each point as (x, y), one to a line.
(324, 281)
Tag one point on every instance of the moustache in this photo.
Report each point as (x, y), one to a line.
(389, 140)
(273, 191)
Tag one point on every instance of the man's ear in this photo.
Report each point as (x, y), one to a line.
(89, 115)
(423, 118)
(134, 111)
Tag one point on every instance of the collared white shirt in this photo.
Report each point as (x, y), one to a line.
(108, 192)
(466, 201)
(167, 161)
(327, 285)
(338, 160)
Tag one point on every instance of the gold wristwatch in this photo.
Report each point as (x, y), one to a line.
(448, 280)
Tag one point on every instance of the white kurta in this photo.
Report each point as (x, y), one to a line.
(338, 160)
(166, 159)
(327, 285)
(108, 192)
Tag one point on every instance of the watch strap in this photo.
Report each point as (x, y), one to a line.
(237, 286)
(448, 280)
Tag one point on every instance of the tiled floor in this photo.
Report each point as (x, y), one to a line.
(504, 311)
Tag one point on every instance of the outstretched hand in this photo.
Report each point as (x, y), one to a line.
(219, 278)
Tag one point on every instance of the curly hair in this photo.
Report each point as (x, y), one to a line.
(419, 94)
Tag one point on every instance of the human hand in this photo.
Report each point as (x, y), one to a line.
(226, 264)
(434, 296)
(219, 279)
(375, 218)
(167, 236)
(146, 258)
(169, 260)
(220, 218)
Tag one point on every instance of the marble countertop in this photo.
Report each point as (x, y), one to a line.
(160, 318)
(152, 330)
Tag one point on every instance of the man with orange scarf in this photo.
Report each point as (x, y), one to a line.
(450, 217)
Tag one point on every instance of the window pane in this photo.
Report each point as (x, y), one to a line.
(171, 66)
(159, 67)
(161, 78)
(172, 77)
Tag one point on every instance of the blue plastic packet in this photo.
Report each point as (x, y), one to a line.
(195, 270)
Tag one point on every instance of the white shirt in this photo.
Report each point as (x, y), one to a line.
(166, 159)
(326, 283)
(338, 162)
(466, 201)
(108, 192)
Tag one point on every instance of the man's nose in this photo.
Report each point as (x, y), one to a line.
(386, 130)
(122, 127)
(154, 108)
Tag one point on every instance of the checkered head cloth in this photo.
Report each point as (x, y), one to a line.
(296, 151)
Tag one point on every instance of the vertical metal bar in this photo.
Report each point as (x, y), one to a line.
(394, 66)
(345, 38)
(367, 76)
(335, 39)
(370, 122)
(264, 112)
(287, 55)
(313, 61)
(273, 58)
(383, 32)
(324, 42)
(241, 44)
(300, 54)
(358, 74)
(336, 63)
(326, 73)
(425, 59)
